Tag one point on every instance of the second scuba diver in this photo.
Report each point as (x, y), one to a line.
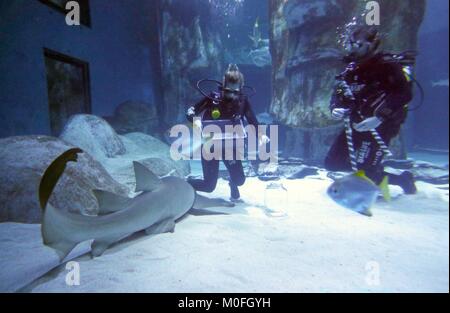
(231, 105)
(372, 94)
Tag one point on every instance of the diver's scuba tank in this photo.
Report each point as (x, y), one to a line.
(407, 60)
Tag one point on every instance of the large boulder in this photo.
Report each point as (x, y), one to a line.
(134, 116)
(192, 50)
(165, 167)
(148, 150)
(23, 161)
(143, 144)
(94, 135)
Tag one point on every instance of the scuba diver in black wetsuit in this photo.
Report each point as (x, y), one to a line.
(229, 104)
(372, 95)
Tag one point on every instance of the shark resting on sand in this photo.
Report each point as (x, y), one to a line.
(156, 209)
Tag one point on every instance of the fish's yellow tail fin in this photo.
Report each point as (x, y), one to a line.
(384, 187)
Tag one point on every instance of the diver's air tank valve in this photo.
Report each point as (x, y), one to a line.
(215, 112)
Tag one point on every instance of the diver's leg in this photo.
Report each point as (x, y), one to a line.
(210, 176)
(374, 168)
(406, 179)
(370, 157)
(237, 177)
(338, 158)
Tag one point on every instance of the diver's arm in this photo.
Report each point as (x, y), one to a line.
(342, 100)
(196, 109)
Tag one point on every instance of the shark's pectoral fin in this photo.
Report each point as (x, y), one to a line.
(202, 202)
(109, 202)
(165, 226)
(99, 245)
(146, 180)
(62, 248)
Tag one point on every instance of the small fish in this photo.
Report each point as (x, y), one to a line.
(256, 36)
(357, 192)
(440, 83)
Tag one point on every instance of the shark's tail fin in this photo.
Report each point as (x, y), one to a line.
(52, 218)
(53, 173)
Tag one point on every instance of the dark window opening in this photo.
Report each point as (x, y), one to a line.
(68, 88)
(60, 5)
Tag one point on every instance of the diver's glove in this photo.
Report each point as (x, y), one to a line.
(339, 113)
(263, 139)
(367, 124)
(190, 113)
(197, 123)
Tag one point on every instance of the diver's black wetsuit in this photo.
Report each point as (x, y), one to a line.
(367, 81)
(234, 110)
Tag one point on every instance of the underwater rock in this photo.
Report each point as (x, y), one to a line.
(164, 167)
(268, 177)
(144, 146)
(94, 135)
(24, 159)
(305, 61)
(422, 171)
(191, 50)
(265, 118)
(399, 164)
(304, 142)
(261, 57)
(306, 171)
(291, 161)
(134, 116)
(140, 143)
(292, 168)
(268, 169)
(430, 173)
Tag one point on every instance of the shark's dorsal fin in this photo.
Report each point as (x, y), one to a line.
(384, 187)
(109, 202)
(146, 180)
(362, 174)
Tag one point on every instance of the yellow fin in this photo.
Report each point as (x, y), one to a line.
(384, 187)
(362, 174)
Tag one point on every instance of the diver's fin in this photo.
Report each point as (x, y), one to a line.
(146, 180)
(165, 226)
(109, 202)
(384, 187)
(99, 245)
(362, 174)
(62, 248)
(202, 202)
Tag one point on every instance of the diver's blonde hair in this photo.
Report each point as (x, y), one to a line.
(233, 75)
